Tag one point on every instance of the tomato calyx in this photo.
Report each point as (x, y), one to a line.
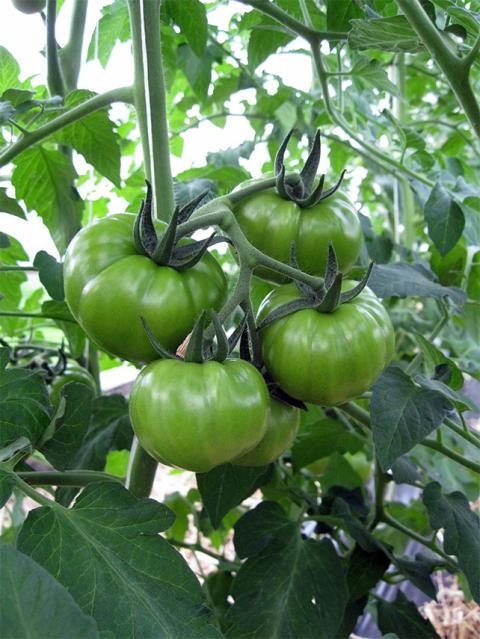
(199, 349)
(326, 301)
(302, 191)
(164, 250)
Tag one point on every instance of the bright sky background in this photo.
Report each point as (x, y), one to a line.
(24, 36)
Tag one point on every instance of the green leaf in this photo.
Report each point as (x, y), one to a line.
(107, 552)
(11, 252)
(461, 530)
(43, 178)
(402, 414)
(226, 486)
(386, 34)
(258, 527)
(24, 407)
(371, 73)
(473, 285)
(265, 39)
(9, 205)
(191, 17)
(403, 618)
(71, 427)
(94, 137)
(7, 482)
(50, 273)
(33, 601)
(449, 268)
(401, 280)
(434, 357)
(294, 588)
(339, 14)
(462, 401)
(321, 439)
(109, 429)
(339, 472)
(114, 25)
(73, 332)
(198, 71)
(9, 70)
(445, 219)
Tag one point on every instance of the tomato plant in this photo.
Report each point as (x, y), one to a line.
(250, 230)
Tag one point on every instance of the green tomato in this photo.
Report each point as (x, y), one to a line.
(29, 6)
(327, 358)
(109, 286)
(271, 224)
(72, 373)
(282, 426)
(198, 416)
(358, 461)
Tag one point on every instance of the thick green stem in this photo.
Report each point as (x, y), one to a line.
(93, 364)
(6, 269)
(66, 478)
(32, 493)
(456, 69)
(291, 23)
(123, 94)
(363, 417)
(71, 55)
(456, 457)
(141, 471)
(461, 432)
(150, 99)
(393, 523)
(380, 484)
(59, 318)
(55, 81)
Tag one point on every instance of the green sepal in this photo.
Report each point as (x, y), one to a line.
(190, 207)
(284, 310)
(194, 352)
(137, 236)
(156, 345)
(195, 251)
(332, 297)
(147, 228)
(304, 289)
(237, 334)
(310, 167)
(162, 253)
(331, 268)
(301, 191)
(223, 347)
(245, 352)
(356, 290)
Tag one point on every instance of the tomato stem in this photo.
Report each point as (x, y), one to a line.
(141, 471)
(66, 478)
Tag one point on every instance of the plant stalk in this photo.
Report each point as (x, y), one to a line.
(55, 80)
(123, 94)
(456, 69)
(66, 478)
(71, 54)
(141, 471)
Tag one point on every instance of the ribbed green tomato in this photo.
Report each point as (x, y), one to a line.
(282, 426)
(109, 286)
(271, 223)
(198, 416)
(327, 358)
(72, 373)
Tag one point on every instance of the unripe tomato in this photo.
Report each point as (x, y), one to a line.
(109, 286)
(282, 426)
(198, 416)
(73, 373)
(271, 224)
(327, 358)
(29, 6)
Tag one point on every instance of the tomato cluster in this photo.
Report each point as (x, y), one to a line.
(137, 291)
